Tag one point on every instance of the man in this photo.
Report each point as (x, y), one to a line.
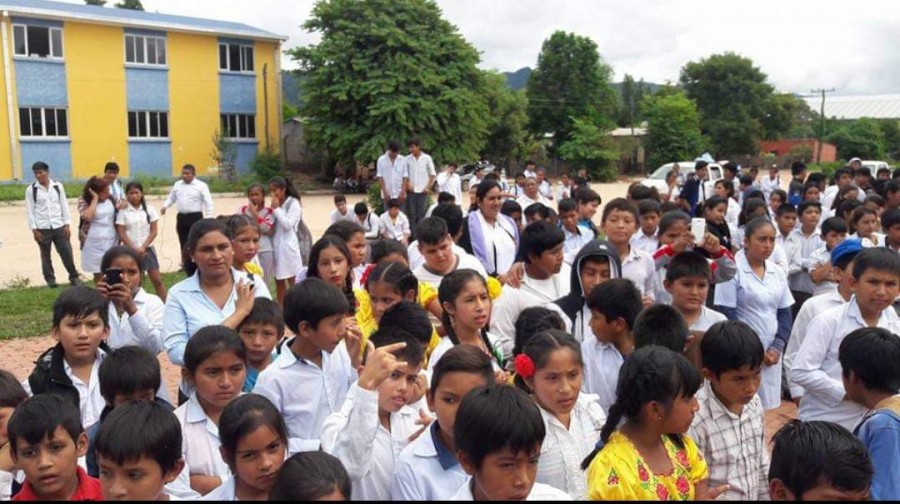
(530, 169)
(770, 183)
(694, 192)
(111, 174)
(389, 172)
(192, 199)
(50, 223)
(544, 186)
(418, 176)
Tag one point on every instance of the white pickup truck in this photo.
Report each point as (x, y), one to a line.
(657, 179)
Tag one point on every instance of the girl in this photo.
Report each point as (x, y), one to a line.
(287, 213)
(254, 445)
(753, 207)
(311, 476)
(387, 284)
(245, 240)
(649, 457)
(137, 226)
(864, 224)
(389, 251)
(759, 296)
(214, 364)
(257, 210)
(551, 367)
(98, 225)
(330, 260)
(672, 191)
(776, 199)
(355, 237)
(490, 236)
(12, 394)
(849, 192)
(725, 189)
(714, 211)
(811, 192)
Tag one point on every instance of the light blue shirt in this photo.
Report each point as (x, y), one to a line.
(880, 432)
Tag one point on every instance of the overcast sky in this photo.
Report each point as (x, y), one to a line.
(800, 44)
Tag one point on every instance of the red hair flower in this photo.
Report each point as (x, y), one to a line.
(364, 278)
(524, 366)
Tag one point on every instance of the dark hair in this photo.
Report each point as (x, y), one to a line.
(751, 205)
(134, 184)
(858, 214)
(833, 225)
(345, 230)
(808, 454)
(189, 167)
(781, 194)
(308, 476)
(566, 205)
(238, 223)
(729, 346)
(286, 184)
(410, 317)
(96, 184)
(539, 209)
(393, 146)
(395, 274)
(621, 205)
(806, 205)
(650, 374)
(874, 198)
(445, 197)
(210, 341)
(700, 164)
(745, 180)
(537, 238)
(640, 192)
(311, 301)
(78, 302)
(140, 429)
(121, 251)
(452, 215)
(360, 208)
(325, 242)
(669, 219)
(876, 258)
(432, 231)
(785, 209)
(534, 320)
(265, 312)
(890, 218)
(202, 228)
(490, 419)
(256, 185)
(816, 177)
(756, 194)
(713, 202)
(809, 185)
(584, 195)
(461, 359)
(797, 168)
(340, 198)
(755, 225)
(616, 298)
(485, 187)
(40, 166)
(12, 393)
(38, 418)
(414, 141)
(448, 291)
(540, 346)
(111, 166)
(661, 325)
(413, 353)
(510, 207)
(383, 248)
(242, 416)
(842, 196)
(687, 264)
(646, 206)
(128, 370)
(846, 207)
(393, 203)
(872, 353)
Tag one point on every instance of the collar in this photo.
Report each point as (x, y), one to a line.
(744, 264)
(798, 232)
(446, 458)
(194, 411)
(88, 489)
(716, 408)
(67, 369)
(852, 311)
(192, 283)
(288, 358)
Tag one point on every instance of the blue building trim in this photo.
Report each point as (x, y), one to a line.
(40, 83)
(147, 88)
(246, 151)
(150, 158)
(237, 93)
(47, 23)
(146, 33)
(56, 153)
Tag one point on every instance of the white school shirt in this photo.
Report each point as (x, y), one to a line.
(416, 258)
(539, 492)
(337, 216)
(707, 318)
(601, 369)
(800, 249)
(574, 242)
(306, 394)
(224, 492)
(563, 192)
(464, 261)
(733, 213)
(446, 344)
(135, 221)
(371, 224)
(90, 402)
(144, 329)
(394, 229)
(811, 309)
(498, 240)
(550, 289)
(450, 184)
(200, 445)
(190, 198)
(563, 449)
(639, 267)
(391, 173)
(426, 470)
(818, 370)
(50, 210)
(418, 171)
(767, 185)
(505, 310)
(644, 243)
(368, 451)
(821, 256)
(524, 201)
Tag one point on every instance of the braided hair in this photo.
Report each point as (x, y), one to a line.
(449, 290)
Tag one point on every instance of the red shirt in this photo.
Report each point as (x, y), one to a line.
(88, 490)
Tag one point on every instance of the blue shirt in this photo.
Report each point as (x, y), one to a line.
(880, 432)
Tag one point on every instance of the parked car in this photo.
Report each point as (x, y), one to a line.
(657, 179)
(874, 166)
(467, 171)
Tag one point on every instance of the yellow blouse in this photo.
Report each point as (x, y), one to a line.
(365, 318)
(619, 473)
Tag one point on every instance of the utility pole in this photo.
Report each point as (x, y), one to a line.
(822, 121)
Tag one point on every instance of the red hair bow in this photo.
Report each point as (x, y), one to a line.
(524, 366)
(364, 279)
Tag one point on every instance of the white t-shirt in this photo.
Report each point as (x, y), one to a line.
(465, 261)
(136, 223)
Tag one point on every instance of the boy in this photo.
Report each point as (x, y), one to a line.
(376, 423)
(588, 201)
(595, 263)
(729, 427)
(785, 222)
(436, 247)
(341, 212)
(428, 469)
(513, 210)
(693, 191)
(535, 212)
(576, 236)
(261, 331)
(871, 377)
(799, 246)
(317, 358)
(821, 273)
(818, 461)
(876, 283)
(370, 222)
(541, 249)
(50, 223)
(619, 223)
(443, 198)
(69, 369)
(394, 224)
(46, 439)
(11, 396)
(661, 325)
(139, 452)
(111, 174)
(498, 436)
(795, 188)
(545, 187)
(687, 281)
(519, 186)
(890, 226)
(453, 216)
(770, 183)
(842, 178)
(646, 239)
(614, 305)
(565, 187)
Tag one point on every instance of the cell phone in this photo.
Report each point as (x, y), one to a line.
(698, 229)
(113, 276)
(250, 277)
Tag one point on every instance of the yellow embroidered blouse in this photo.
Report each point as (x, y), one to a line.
(365, 318)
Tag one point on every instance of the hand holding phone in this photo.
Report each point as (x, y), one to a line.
(113, 276)
(698, 229)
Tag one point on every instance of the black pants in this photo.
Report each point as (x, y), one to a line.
(415, 210)
(183, 224)
(56, 237)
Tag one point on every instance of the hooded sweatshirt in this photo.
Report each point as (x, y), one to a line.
(574, 304)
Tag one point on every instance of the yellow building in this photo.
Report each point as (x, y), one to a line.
(85, 85)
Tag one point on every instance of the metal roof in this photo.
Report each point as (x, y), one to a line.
(132, 18)
(855, 107)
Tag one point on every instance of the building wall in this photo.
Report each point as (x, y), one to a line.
(193, 98)
(6, 152)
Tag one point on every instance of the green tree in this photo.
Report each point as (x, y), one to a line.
(673, 128)
(631, 94)
(861, 138)
(732, 96)
(891, 130)
(99, 3)
(784, 114)
(590, 146)
(508, 138)
(130, 4)
(389, 70)
(289, 111)
(570, 81)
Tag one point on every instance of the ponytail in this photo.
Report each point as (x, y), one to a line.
(612, 421)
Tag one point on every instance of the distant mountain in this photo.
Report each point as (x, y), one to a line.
(519, 80)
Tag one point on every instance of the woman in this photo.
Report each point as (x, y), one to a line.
(287, 213)
(672, 190)
(448, 181)
(489, 235)
(98, 225)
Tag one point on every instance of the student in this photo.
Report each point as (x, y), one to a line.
(536, 212)
(254, 445)
(890, 226)
(394, 224)
(288, 214)
(448, 181)
(428, 469)
(390, 172)
(729, 427)
(614, 305)
(541, 249)
(193, 201)
(330, 261)
(876, 284)
(800, 245)
(376, 422)
(136, 225)
(565, 188)
(785, 222)
(499, 436)
(834, 231)
(533, 321)
(714, 212)
(776, 199)
(512, 210)
(50, 223)
(453, 216)
(264, 217)
(576, 236)
(725, 190)
(693, 191)
(488, 235)
(418, 176)
(138, 450)
(111, 175)
(46, 437)
(245, 238)
(388, 284)
(311, 476)
(443, 198)
(864, 223)
(354, 237)
(97, 231)
(655, 396)
(646, 239)
(370, 222)
(261, 331)
(595, 263)
(759, 296)
(551, 368)
(436, 247)
(795, 188)
(12, 394)
(818, 461)
(811, 192)
(341, 212)
(661, 325)
(588, 201)
(871, 378)
(619, 223)
(316, 312)
(687, 281)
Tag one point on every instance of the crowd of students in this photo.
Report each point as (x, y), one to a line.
(508, 351)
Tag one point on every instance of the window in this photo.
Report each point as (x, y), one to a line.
(238, 125)
(145, 50)
(43, 122)
(147, 124)
(236, 57)
(38, 41)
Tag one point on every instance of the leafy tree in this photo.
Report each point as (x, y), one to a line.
(784, 114)
(861, 138)
(508, 138)
(389, 70)
(289, 111)
(130, 4)
(673, 128)
(891, 130)
(631, 94)
(99, 3)
(589, 145)
(571, 81)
